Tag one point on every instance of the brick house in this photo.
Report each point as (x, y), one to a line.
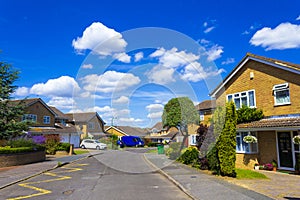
(48, 120)
(205, 110)
(89, 123)
(273, 86)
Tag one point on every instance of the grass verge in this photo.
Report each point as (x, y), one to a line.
(249, 174)
(77, 152)
(152, 151)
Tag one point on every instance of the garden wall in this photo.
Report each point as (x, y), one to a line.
(7, 160)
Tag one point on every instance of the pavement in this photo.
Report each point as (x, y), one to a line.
(195, 183)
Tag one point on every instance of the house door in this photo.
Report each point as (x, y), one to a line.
(285, 149)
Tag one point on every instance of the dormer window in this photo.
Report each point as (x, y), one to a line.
(281, 94)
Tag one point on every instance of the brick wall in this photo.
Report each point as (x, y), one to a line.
(267, 146)
(265, 77)
(40, 110)
(21, 158)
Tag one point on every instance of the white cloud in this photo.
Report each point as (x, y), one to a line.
(63, 86)
(152, 107)
(122, 57)
(214, 52)
(284, 36)
(62, 102)
(209, 29)
(121, 100)
(22, 91)
(138, 56)
(298, 18)
(103, 41)
(109, 81)
(161, 75)
(155, 115)
(194, 72)
(129, 120)
(87, 66)
(173, 57)
(228, 61)
(155, 110)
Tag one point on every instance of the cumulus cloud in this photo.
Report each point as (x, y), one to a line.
(87, 66)
(228, 61)
(214, 52)
(101, 40)
(121, 100)
(22, 91)
(62, 102)
(155, 110)
(109, 81)
(155, 115)
(129, 120)
(194, 72)
(173, 57)
(122, 57)
(161, 75)
(284, 36)
(138, 56)
(298, 18)
(63, 86)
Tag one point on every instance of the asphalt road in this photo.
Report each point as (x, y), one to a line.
(113, 175)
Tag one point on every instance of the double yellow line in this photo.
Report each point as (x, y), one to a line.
(44, 191)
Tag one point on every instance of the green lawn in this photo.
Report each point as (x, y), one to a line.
(79, 151)
(249, 174)
(152, 151)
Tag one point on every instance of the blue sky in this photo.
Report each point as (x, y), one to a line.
(102, 56)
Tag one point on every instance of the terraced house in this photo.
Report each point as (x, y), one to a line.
(273, 86)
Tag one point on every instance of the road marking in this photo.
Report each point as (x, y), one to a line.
(44, 191)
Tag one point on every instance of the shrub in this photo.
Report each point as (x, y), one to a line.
(213, 161)
(173, 152)
(51, 143)
(190, 156)
(21, 143)
(246, 114)
(39, 139)
(9, 150)
(63, 147)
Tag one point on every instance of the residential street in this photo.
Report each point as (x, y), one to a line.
(91, 179)
(133, 174)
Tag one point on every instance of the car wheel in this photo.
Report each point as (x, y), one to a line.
(82, 146)
(97, 147)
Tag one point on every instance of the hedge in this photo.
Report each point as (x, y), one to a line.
(9, 150)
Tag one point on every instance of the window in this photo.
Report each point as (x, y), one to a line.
(91, 125)
(281, 94)
(243, 98)
(201, 113)
(29, 117)
(243, 147)
(46, 119)
(193, 139)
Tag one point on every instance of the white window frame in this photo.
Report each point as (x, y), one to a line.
(193, 140)
(280, 88)
(240, 95)
(246, 148)
(46, 119)
(29, 117)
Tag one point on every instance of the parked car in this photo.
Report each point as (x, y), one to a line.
(130, 141)
(92, 144)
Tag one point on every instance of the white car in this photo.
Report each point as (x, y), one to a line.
(92, 144)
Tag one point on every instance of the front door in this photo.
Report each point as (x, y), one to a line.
(285, 149)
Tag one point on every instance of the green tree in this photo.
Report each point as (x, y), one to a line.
(180, 112)
(10, 111)
(246, 114)
(226, 143)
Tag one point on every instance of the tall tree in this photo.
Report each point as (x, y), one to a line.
(10, 112)
(226, 143)
(180, 112)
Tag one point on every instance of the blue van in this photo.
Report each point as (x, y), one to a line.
(130, 141)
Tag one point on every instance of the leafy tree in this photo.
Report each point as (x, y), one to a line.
(180, 112)
(246, 114)
(226, 144)
(10, 111)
